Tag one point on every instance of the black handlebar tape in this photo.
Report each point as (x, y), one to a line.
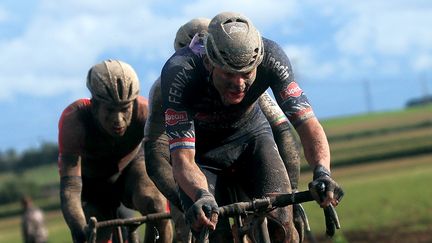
(292, 198)
(243, 207)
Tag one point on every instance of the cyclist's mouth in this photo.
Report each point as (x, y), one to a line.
(119, 130)
(236, 95)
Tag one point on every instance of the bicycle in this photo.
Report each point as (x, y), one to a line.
(256, 230)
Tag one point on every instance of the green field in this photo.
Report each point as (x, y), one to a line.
(382, 160)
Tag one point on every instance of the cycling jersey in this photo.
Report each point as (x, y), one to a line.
(101, 155)
(192, 104)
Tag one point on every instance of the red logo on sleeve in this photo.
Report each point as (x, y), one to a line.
(293, 90)
(173, 117)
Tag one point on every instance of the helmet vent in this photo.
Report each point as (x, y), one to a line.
(237, 20)
(119, 88)
(130, 91)
(107, 91)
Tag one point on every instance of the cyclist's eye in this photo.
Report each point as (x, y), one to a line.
(247, 75)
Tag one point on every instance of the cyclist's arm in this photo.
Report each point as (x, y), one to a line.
(296, 106)
(187, 173)
(70, 195)
(70, 137)
(315, 144)
(156, 146)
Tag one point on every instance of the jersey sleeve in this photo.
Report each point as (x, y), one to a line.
(176, 79)
(71, 131)
(290, 97)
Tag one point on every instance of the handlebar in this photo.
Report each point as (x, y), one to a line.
(130, 222)
(282, 200)
(260, 204)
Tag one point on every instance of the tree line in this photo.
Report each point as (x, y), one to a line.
(11, 160)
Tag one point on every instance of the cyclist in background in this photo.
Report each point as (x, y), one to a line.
(33, 222)
(156, 142)
(101, 158)
(216, 129)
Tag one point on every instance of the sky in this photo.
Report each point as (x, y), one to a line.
(350, 57)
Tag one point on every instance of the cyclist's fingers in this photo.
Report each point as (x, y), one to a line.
(329, 199)
(206, 222)
(214, 218)
(339, 193)
(203, 220)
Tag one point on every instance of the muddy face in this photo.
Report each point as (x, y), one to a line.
(114, 118)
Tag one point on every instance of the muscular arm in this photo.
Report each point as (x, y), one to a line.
(187, 173)
(159, 169)
(315, 144)
(156, 147)
(70, 195)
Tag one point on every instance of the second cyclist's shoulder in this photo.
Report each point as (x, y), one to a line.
(142, 107)
(75, 110)
(183, 59)
(272, 50)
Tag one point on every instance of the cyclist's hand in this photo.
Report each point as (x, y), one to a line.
(332, 193)
(203, 213)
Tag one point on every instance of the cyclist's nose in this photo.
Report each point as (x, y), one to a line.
(238, 82)
(117, 118)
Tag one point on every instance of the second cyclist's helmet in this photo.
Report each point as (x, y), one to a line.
(233, 43)
(187, 31)
(113, 82)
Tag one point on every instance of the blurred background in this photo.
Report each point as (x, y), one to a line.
(366, 66)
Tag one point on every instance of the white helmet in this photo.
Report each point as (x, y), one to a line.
(113, 81)
(233, 43)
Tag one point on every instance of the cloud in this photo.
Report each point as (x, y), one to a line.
(387, 30)
(306, 64)
(62, 41)
(422, 63)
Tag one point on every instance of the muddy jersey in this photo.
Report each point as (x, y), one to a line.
(101, 155)
(192, 105)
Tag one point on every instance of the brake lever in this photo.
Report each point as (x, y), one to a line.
(330, 214)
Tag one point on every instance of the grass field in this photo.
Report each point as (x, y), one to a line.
(384, 194)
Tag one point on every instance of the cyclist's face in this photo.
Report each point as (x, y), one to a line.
(232, 87)
(114, 118)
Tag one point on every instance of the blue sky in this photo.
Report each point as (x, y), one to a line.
(342, 52)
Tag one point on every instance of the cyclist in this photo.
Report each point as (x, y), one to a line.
(101, 158)
(216, 129)
(156, 141)
(33, 222)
